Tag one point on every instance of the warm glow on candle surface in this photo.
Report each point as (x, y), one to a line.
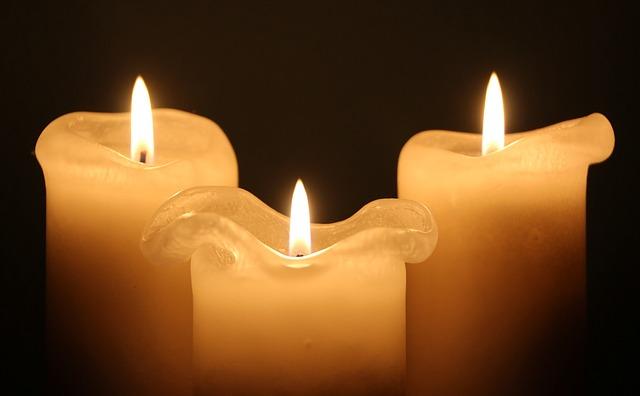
(493, 121)
(300, 226)
(102, 294)
(142, 149)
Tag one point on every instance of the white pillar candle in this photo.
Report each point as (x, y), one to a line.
(117, 325)
(265, 323)
(500, 307)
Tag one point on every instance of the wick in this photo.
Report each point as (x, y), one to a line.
(143, 156)
(299, 255)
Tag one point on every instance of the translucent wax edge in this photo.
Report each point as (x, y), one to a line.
(586, 140)
(234, 220)
(57, 138)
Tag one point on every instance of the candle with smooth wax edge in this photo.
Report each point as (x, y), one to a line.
(266, 323)
(116, 324)
(500, 307)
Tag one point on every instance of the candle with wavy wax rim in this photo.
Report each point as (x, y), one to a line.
(115, 323)
(330, 322)
(500, 309)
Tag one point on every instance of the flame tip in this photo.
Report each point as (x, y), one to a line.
(300, 224)
(493, 122)
(142, 145)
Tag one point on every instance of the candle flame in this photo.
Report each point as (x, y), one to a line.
(300, 226)
(142, 147)
(493, 121)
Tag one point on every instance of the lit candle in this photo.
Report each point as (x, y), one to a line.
(500, 307)
(117, 325)
(273, 317)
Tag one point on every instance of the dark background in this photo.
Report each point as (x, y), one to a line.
(328, 93)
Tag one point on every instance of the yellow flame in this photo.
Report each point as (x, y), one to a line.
(142, 147)
(300, 226)
(493, 121)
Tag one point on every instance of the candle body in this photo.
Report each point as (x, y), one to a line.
(117, 324)
(332, 322)
(500, 307)
(296, 330)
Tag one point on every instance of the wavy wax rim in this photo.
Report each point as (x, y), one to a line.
(160, 228)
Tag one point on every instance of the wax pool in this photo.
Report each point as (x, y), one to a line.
(117, 325)
(332, 322)
(500, 307)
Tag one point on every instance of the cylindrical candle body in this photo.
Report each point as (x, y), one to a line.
(332, 322)
(500, 307)
(298, 331)
(117, 324)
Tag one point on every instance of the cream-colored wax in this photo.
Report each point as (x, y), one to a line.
(499, 309)
(116, 324)
(330, 323)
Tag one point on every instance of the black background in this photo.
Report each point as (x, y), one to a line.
(328, 93)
